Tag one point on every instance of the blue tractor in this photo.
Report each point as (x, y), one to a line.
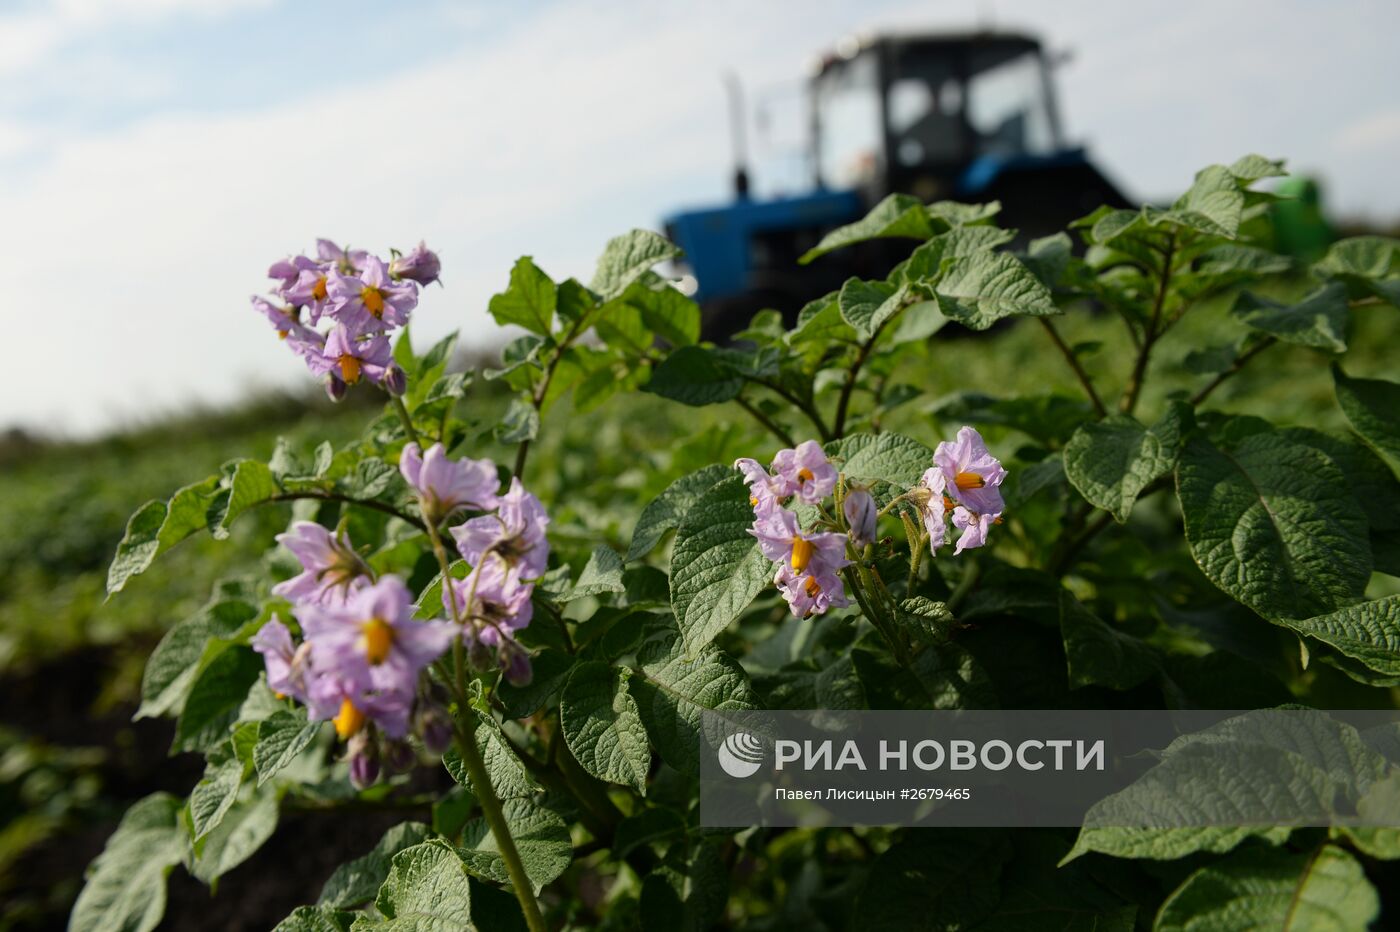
(967, 117)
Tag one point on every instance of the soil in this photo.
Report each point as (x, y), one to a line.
(54, 703)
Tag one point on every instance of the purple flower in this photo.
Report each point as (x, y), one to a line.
(371, 302)
(285, 320)
(934, 505)
(516, 532)
(804, 472)
(286, 664)
(445, 486)
(287, 271)
(346, 261)
(516, 663)
(861, 515)
(974, 527)
(810, 593)
(372, 640)
(310, 291)
(971, 474)
(492, 599)
(783, 542)
(350, 359)
(349, 705)
(331, 569)
(432, 724)
(763, 488)
(420, 265)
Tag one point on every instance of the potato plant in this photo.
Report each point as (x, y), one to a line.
(1130, 547)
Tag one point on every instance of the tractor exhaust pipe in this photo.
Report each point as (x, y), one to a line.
(734, 94)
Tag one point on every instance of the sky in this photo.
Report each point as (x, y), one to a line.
(157, 155)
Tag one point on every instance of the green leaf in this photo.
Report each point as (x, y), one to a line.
(173, 664)
(239, 834)
(695, 376)
(158, 526)
(529, 300)
(1099, 655)
(541, 837)
(1272, 889)
(893, 458)
(215, 697)
(678, 685)
(214, 795)
(820, 322)
(866, 306)
(1272, 523)
(125, 889)
(602, 573)
(1373, 408)
(716, 566)
(1369, 632)
(551, 671)
(982, 289)
(662, 310)
(1111, 461)
(316, 919)
(506, 771)
(898, 215)
(627, 258)
(1319, 320)
(931, 261)
(428, 890)
(603, 727)
(1365, 265)
(280, 739)
(356, 882)
(251, 483)
(932, 621)
(521, 422)
(939, 879)
(1251, 168)
(668, 509)
(1212, 205)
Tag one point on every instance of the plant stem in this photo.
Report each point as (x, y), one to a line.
(1133, 392)
(838, 429)
(407, 420)
(774, 428)
(485, 794)
(537, 398)
(804, 406)
(1240, 362)
(1074, 364)
(348, 500)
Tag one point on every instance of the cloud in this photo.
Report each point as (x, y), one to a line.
(1377, 131)
(28, 39)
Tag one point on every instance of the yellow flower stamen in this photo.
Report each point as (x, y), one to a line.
(318, 290)
(812, 587)
(349, 369)
(969, 480)
(801, 553)
(379, 637)
(753, 501)
(373, 299)
(948, 504)
(282, 334)
(349, 720)
(805, 474)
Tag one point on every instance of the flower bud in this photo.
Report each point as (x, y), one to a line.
(336, 388)
(395, 380)
(434, 727)
(364, 760)
(861, 516)
(518, 671)
(420, 265)
(479, 655)
(398, 756)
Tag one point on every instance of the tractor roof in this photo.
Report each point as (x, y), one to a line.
(848, 48)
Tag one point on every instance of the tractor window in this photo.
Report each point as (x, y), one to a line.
(1006, 105)
(848, 114)
(925, 111)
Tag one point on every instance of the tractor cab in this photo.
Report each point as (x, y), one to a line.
(968, 117)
